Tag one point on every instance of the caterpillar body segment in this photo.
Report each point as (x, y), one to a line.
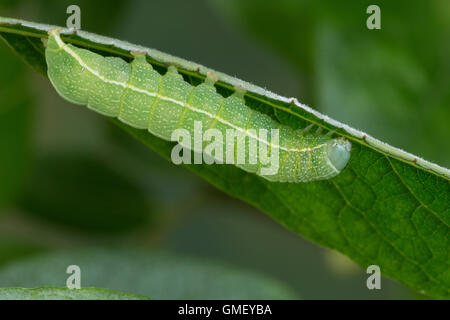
(141, 97)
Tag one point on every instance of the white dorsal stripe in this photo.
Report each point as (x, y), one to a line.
(64, 47)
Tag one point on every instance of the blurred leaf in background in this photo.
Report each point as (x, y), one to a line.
(152, 274)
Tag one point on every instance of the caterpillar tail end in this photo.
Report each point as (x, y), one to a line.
(339, 153)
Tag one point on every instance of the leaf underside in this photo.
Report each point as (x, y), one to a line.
(387, 207)
(158, 275)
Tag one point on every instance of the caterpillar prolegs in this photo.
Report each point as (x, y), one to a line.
(141, 97)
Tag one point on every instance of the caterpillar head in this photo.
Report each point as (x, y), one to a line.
(339, 152)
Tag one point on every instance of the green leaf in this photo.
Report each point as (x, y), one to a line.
(388, 207)
(53, 293)
(156, 275)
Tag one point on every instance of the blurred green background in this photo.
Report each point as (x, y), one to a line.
(70, 179)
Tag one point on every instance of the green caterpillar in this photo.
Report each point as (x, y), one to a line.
(139, 96)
